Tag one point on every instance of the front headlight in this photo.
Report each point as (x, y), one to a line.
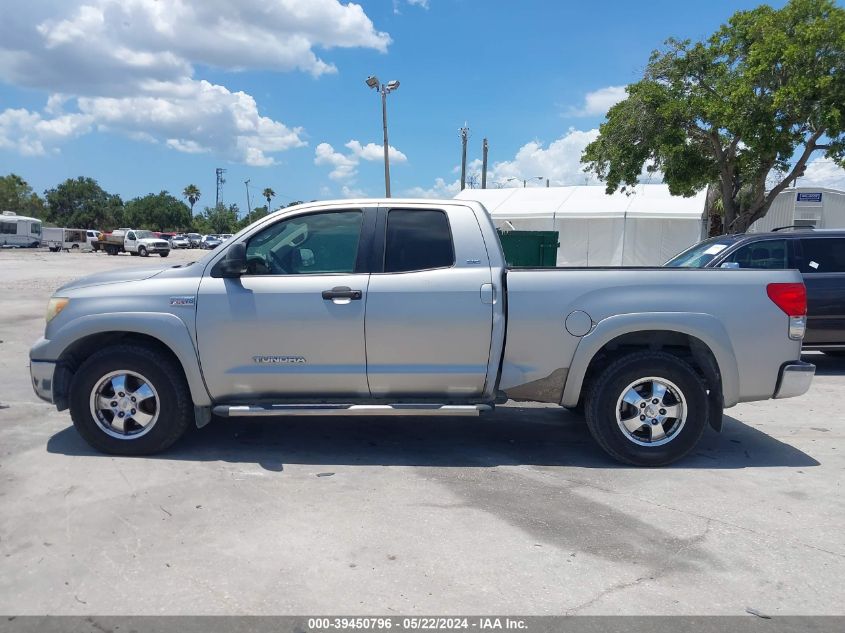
(54, 306)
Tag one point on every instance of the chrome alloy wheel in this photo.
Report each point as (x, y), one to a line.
(124, 404)
(651, 411)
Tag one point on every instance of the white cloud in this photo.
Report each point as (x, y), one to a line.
(560, 162)
(598, 102)
(128, 66)
(441, 189)
(419, 3)
(30, 134)
(823, 172)
(345, 166)
(352, 192)
(371, 151)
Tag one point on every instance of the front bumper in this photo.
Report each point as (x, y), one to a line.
(42, 373)
(795, 379)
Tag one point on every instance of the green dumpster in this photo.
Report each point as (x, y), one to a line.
(530, 249)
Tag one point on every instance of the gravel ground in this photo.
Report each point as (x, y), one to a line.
(519, 512)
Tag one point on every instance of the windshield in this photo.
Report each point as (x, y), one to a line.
(701, 254)
(143, 235)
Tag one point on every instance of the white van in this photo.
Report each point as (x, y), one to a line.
(19, 231)
(60, 239)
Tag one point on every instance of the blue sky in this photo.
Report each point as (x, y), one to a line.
(156, 95)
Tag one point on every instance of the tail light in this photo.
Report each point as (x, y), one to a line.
(792, 299)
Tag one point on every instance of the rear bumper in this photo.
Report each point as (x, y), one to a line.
(795, 379)
(41, 373)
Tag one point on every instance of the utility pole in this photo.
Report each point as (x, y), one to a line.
(464, 137)
(248, 203)
(547, 183)
(484, 164)
(220, 180)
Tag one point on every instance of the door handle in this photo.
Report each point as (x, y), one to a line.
(342, 292)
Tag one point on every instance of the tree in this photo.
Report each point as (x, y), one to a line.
(157, 212)
(82, 203)
(744, 110)
(219, 219)
(192, 193)
(16, 195)
(268, 194)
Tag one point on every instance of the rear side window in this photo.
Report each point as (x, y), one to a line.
(768, 254)
(823, 255)
(417, 240)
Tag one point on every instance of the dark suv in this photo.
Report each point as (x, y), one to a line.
(818, 254)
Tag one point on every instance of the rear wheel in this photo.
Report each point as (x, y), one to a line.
(647, 409)
(130, 400)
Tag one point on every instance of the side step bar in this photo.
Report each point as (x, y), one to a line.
(227, 411)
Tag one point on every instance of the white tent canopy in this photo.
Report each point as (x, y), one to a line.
(643, 228)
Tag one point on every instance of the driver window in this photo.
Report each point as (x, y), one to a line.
(130, 236)
(315, 244)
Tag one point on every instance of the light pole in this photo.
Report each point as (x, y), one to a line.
(525, 180)
(384, 89)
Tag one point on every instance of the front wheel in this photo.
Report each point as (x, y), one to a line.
(130, 400)
(647, 409)
(164, 253)
(142, 251)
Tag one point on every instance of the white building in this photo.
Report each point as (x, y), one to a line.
(644, 228)
(818, 207)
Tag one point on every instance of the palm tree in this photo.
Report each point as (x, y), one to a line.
(268, 193)
(192, 193)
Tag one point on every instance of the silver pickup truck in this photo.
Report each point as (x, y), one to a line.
(407, 307)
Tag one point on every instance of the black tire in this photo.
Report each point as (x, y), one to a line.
(54, 250)
(609, 386)
(164, 254)
(175, 407)
(143, 252)
(75, 247)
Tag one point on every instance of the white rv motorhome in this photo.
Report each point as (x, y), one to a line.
(19, 231)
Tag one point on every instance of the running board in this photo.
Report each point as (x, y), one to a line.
(251, 411)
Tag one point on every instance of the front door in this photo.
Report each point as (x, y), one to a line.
(293, 325)
(429, 308)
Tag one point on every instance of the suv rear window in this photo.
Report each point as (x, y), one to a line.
(823, 255)
(417, 240)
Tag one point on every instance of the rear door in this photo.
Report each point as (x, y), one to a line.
(293, 325)
(429, 305)
(822, 262)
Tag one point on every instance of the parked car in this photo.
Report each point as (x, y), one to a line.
(818, 254)
(226, 236)
(180, 241)
(92, 237)
(275, 321)
(194, 239)
(210, 241)
(134, 242)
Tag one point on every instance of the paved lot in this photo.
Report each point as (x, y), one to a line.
(516, 513)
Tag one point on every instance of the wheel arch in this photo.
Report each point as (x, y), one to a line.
(79, 338)
(700, 338)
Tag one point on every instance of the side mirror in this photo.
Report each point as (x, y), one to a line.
(234, 263)
(732, 265)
